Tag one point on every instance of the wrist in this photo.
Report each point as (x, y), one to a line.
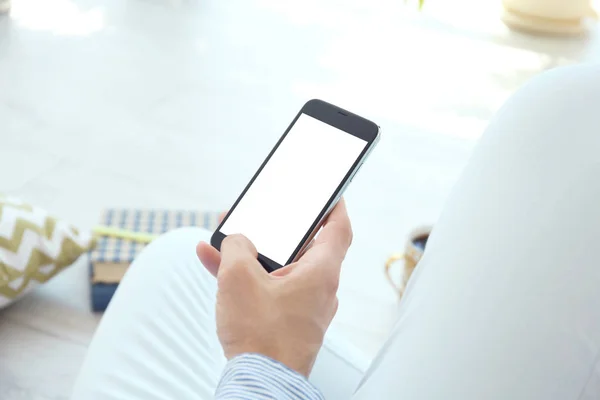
(300, 361)
(258, 374)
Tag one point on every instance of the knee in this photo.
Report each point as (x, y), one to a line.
(556, 110)
(577, 85)
(565, 94)
(173, 248)
(180, 238)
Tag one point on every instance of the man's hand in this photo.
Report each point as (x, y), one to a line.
(282, 315)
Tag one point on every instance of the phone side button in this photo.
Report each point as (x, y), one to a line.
(358, 169)
(356, 172)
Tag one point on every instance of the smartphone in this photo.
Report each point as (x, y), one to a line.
(299, 183)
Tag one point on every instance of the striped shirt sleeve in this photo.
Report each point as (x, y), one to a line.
(257, 377)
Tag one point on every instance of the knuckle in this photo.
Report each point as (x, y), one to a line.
(235, 270)
(238, 266)
(345, 235)
(225, 276)
(334, 306)
(350, 235)
(332, 285)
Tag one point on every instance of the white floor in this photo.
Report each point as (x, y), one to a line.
(174, 103)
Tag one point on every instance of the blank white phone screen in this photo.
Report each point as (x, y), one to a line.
(293, 187)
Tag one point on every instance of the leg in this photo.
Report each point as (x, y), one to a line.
(339, 368)
(505, 303)
(157, 340)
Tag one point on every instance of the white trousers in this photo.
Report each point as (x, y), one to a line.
(157, 339)
(504, 305)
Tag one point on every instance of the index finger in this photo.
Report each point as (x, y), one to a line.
(330, 247)
(337, 230)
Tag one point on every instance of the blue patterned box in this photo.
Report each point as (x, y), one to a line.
(112, 256)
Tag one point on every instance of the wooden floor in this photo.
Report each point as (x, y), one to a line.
(44, 337)
(174, 103)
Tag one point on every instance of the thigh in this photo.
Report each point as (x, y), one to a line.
(157, 340)
(339, 367)
(505, 303)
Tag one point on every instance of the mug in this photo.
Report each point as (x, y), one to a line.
(413, 251)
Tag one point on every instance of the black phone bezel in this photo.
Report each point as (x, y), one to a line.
(334, 116)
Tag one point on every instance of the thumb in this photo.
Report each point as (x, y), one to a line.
(239, 257)
(209, 257)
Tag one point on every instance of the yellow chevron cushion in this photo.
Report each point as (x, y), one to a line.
(34, 247)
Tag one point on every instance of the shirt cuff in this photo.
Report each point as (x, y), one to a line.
(254, 376)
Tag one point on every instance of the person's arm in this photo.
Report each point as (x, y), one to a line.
(254, 376)
(271, 326)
